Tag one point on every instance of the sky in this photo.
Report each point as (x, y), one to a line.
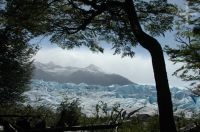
(137, 69)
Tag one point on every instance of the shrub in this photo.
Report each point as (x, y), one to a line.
(69, 113)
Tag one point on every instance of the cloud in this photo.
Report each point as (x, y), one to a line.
(138, 69)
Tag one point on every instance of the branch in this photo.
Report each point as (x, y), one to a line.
(99, 10)
(92, 3)
(180, 40)
(78, 8)
(131, 11)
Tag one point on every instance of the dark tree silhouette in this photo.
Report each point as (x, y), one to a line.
(15, 66)
(163, 92)
(84, 22)
(187, 51)
(19, 23)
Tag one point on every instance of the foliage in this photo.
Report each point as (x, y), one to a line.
(189, 55)
(13, 113)
(83, 22)
(20, 21)
(135, 123)
(69, 113)
(15, 66)
(25, 17)
(188, 51)
(77, 23)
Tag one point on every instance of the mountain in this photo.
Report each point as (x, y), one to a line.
(130, 97)
(91, 75)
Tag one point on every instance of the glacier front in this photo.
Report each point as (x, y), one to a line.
(130, 97)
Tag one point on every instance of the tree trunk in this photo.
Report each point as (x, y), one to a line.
(163, 92)
(166, 118)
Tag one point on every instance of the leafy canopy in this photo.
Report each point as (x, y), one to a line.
(19, 23)
(85, 22)
(188, 51)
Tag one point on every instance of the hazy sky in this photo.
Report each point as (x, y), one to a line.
(138, 69)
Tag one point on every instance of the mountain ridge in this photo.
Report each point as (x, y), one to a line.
(91, 75)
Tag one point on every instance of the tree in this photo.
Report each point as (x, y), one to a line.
(69, 113)
(19, 23)
(188, 51)
(15, 66)
(84, 22)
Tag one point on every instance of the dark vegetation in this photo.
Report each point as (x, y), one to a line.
(68, 114)
(187, 52)
(76, 23)
(15, 66)
(16, 52)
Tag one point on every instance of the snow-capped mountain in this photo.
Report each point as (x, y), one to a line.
(91, 75)
(129, 97)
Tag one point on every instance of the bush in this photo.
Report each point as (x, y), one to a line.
(69, 113)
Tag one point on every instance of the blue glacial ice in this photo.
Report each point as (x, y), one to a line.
(129, 97)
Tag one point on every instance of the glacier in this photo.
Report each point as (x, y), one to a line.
(130, 97)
